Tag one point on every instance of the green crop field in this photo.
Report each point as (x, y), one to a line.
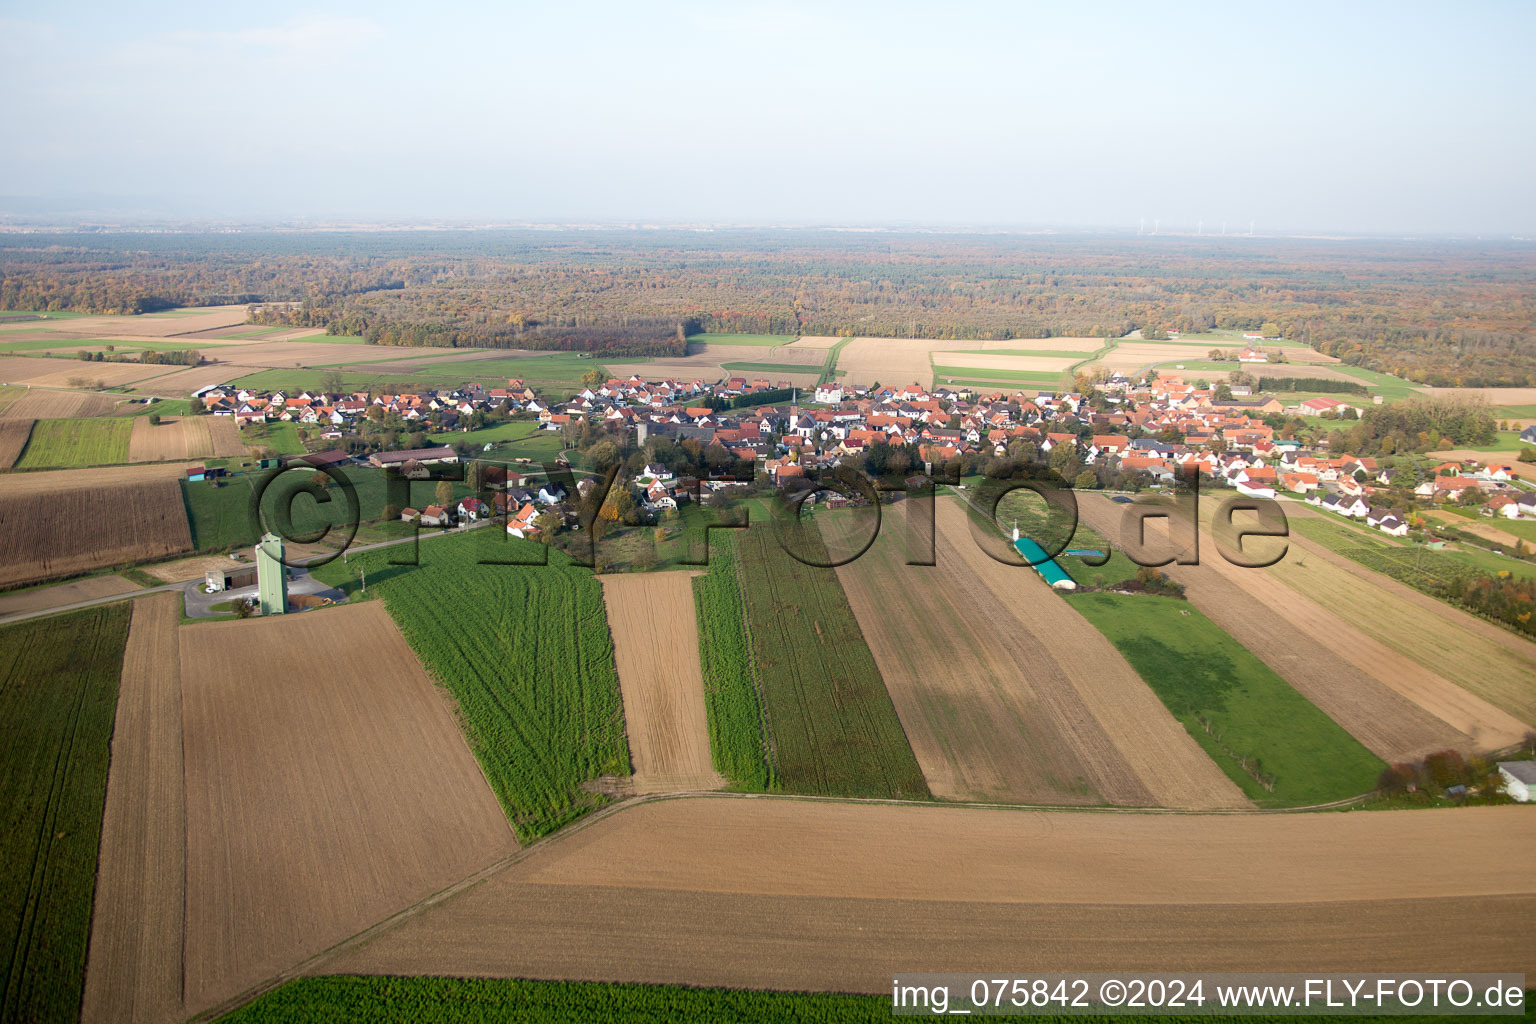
(736, 740)
(67, 444)
(1249, 720)
(1413, 564)
(1043, 352)
(742, 340)
(335, 999)
(524, 650)
(833, 726)
(57, 705)
(972, 373)
(506, 1000)
(1045, 384)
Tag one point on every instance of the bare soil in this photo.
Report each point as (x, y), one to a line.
(134, 968)
(793, 895)
(656, 649)
(327, 787)
(69, 521)
(1006, 692)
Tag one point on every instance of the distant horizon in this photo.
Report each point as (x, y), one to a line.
(106, 222)
(1372, 119)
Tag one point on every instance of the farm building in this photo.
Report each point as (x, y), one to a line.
(320, 460)
(1045, 565)
(425, 456)
(1519, 779)
(233, 578)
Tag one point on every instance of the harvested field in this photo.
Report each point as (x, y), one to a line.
(1083, 345)
(1524, 470)
(315, 353)
(184, 569)
(65, 522)
(38, 599)
(1399, 709)
(179, 383)
(1495, 396)
(894, 361)
(43, 404)
(655, 646)
(1131, 356)
(149, 325)
(317, 802)
(13, 438)
(134, 969)
(818, 342)
(1489, 662)
(1006, 693)
(186, 437)
(712, 371)
(695, 890)
(60, 373)
(1487, 530)
(1021, 364)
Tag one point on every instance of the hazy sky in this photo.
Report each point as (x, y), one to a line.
(1337, 116)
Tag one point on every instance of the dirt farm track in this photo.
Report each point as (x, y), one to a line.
(779, 893)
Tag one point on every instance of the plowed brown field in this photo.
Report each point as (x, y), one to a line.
(187, 437)
(44, 404)
(61, 373)
(655, 646)
(327, 787)
(13, 438)
(134, 969)
(1398, 708)
(1006, 692)
(771, 893)
(69, 521)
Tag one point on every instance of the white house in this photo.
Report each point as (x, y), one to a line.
(1519, 779)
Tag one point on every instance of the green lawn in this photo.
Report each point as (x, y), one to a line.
(1233, 704)
(526, 654)
(99, 441)
(1052, 527)
(220, 516)
(282, 438)
(1515, 412)
(502, 433)
(1390, 388)
(756, 340)
(57, 705)
(165, 407)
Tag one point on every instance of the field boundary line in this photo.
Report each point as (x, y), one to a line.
(373, 931)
